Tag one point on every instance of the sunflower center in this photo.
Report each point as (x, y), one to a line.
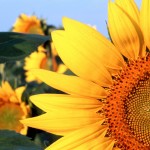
(137, 107)
(127, 107)
(10, 114)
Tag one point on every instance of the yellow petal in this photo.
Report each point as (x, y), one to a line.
(97, 143)
(62, 123)
(90, 41)
(105, 144)
(59, 102)
(124, 32)
(19, 91)
(78, 59)
(130, 7)
(61, 68)
(70, 84)
(82, 139)
(145, 21)
(7, 88)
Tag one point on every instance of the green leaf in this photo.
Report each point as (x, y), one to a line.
(44, 139)
(15, 46)
(10, 140)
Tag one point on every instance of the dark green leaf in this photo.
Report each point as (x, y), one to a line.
(10, 140)
(45, 139)
(15, 46)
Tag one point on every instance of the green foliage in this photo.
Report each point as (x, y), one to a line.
(45, 139)
(15, 46)
(14, 141)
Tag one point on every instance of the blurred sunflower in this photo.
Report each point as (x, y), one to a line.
(12, 109)
(40, 60)
(28, 24)
(107, 106)
(37, 59)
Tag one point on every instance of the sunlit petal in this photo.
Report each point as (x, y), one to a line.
(95, 43)
(79, 60)
(104, 144)
(145, 20)
(62, 123)
(75, 139)
(58, 102)
(70, 84)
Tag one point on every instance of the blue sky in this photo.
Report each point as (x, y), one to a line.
(93, 12)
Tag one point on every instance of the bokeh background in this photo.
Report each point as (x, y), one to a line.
(93, 12)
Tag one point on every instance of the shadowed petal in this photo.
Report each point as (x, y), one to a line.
(130, 7)
(124, 32)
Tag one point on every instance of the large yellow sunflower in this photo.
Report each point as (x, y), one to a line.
(107, 104)
(12, 108)
(28, 24)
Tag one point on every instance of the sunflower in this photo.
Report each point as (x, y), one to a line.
(28, 24)
(107, 104)
(12, 109)
(37, 59)
(40, 60)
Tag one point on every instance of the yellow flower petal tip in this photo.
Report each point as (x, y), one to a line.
(66, 20)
